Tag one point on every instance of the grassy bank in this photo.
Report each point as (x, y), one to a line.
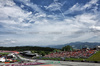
(4, 53)
(95, 57)
(66, 59)
(75, 59)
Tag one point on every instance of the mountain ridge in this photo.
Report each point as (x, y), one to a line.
(77, 45)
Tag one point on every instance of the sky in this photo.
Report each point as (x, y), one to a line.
(48, 22)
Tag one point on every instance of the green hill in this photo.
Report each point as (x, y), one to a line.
(95, 57)
(77, 45)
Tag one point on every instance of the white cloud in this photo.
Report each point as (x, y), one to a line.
(33, 6)
(38, 15)
(7, 42)
(54, 6)
(87, 18)
(49, 31)
(6, 3)
(89, 4)
(22, 6)
(81, 7)
(12, 15)
(95, 27)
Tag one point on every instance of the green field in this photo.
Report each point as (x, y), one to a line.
(4, 53)
(95, 57)
(74, 59)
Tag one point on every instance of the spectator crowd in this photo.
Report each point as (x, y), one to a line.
(71, 54)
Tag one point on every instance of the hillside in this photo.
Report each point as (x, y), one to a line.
(95, 57)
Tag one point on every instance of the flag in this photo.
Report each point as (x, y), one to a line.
(70, 49)
(64, 50)
(81, 46)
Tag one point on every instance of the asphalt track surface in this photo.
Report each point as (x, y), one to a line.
(67, 63)
(64, 63)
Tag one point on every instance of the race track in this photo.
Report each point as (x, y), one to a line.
(53, 63)
(67, 63)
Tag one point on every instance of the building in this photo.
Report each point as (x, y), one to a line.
(98, 48)
(29, 54)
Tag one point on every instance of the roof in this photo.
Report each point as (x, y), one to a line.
(27, 51)
(98, 46)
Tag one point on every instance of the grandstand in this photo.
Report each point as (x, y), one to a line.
(72, 54)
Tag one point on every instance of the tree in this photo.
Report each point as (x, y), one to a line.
(67, 48)
(56, 50)
(33, 51)
(42, 53)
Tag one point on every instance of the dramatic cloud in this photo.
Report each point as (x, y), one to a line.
(27, 23)
(80, 7)
(54, 6)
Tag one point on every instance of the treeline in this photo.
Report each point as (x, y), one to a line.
(35, 49)
(25, 48)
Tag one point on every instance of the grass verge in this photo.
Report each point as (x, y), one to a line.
(95, 57)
